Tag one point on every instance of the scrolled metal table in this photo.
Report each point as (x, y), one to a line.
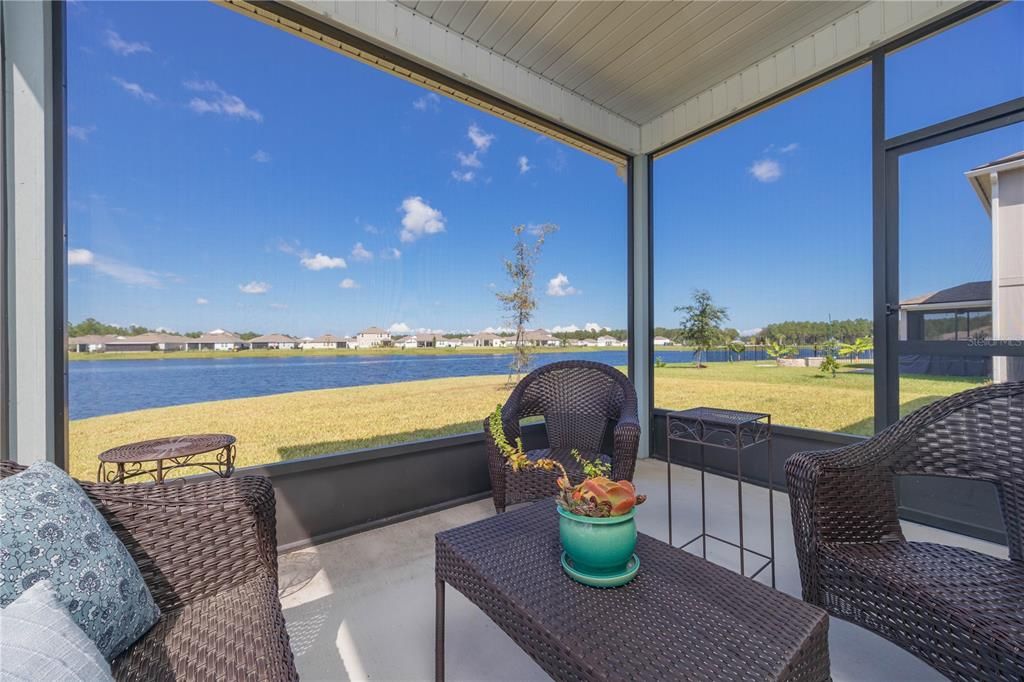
(128, 461)
(729, 430)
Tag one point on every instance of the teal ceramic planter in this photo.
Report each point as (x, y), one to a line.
(599, 548)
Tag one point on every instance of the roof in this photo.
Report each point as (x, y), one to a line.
(373, 330)
(273, 338)
(91, 339)
(962, 293)
(483, 336)
(980, 177)
(147, 337)
(218, 336)
(542, 334)
(328, 338)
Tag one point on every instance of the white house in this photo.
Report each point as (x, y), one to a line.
(662, 341)
(274, 342)
(443, 342)
(483, 340)
(325, 341)
(149, 341)
(406, 342)
(604, 341)
(90, 343)
(541, 337)
(373, 337)
(218, 339)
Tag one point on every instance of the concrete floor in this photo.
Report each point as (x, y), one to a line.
(362, 607)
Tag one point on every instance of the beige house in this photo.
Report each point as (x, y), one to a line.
(274, 342)
(443, 342)
(1000, 187)
(326, 341)
(218, 339)
(373, 337)
(662, 341)
(89, 343)
(483, 340)
(149, 341)
(603, 341)
(541, 337)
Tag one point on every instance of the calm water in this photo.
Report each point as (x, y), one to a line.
(108, 387)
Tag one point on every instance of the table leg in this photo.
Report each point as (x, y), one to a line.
(120, 472)
(439, 630)
(668, 459)
(703, 508)
(159, 471)
(739, 498)
(771, 510)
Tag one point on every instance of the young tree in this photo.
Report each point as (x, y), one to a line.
(701, 325)
(519, 302)
(860, 346)
(779, 349)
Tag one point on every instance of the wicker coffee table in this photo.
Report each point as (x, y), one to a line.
(681, 618)
(156, 457)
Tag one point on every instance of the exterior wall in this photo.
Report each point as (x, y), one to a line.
(1008, 267)
(33, 128)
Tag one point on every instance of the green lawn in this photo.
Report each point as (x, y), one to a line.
(293, 425)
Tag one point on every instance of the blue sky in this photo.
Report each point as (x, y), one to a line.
(225, 174)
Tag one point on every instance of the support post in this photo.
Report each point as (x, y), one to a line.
(34, 231)
(641, 366)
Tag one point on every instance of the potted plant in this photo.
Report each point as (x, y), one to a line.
(596, 517)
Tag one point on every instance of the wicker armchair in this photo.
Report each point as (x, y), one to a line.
(578, 400)
(208, 552)
(960, 611)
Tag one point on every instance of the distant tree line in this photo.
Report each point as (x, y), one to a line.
(91, 326)
(810, 333)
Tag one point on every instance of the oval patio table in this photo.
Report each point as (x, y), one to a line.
(158, 456)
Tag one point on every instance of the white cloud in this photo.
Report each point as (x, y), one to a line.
(429, 101)
(564, 329)
(371, 229)
(524, 165)
(80, 257)
(469, 160)
(791, 147)
(260, 156)
(124, 47)
(479, 138)
(420, 218)
(463, 176)
(595, 327)
(498, 330)
(751, 332)
(391, 253)
(279, 306)
(766, 170)
(122, 272)
(348, 283)
(360, 253)
(322, 261)
(559, 286)
(254, 287)
(136, 90)
(202, 301)
(219, 101)
(537, 230)
(399, 328)
(81, 133)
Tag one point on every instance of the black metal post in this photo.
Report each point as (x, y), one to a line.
(439, 630)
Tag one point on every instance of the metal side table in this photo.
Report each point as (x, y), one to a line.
(727, 430)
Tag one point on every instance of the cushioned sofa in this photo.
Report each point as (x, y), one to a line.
(208, 552)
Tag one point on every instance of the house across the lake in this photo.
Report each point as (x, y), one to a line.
(662, 341)
(89, 343)
(326, 341)
(218, 339)
(274, 342)
(149, 341)
(372, 337)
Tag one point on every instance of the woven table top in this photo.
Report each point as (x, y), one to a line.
(680, 618)
(167, 448)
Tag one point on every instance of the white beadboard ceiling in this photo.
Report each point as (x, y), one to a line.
(635, 76)
(637, 59)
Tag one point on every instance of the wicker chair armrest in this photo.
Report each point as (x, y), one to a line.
(192, 539)
(836, 496)
(626, 437)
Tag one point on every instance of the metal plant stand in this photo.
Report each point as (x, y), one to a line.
(727, 430)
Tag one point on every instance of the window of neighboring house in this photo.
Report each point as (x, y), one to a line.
(962, 325)
(283, 244)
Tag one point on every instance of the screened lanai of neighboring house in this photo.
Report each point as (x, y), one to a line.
(628, 82)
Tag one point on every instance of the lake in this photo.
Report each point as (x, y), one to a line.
(111, 386)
